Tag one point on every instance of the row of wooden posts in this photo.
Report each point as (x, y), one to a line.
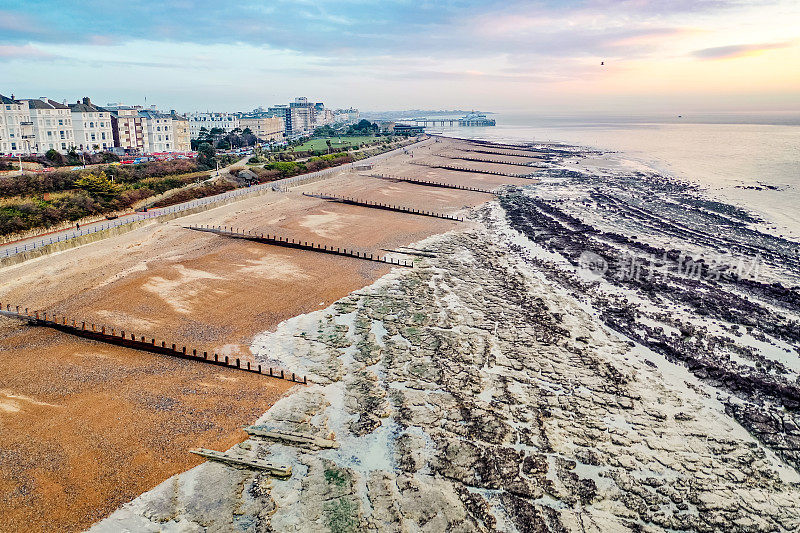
(378, 205)
(109, 335)
(503, 153)
(473, 170)
(482, 160)
(489, 144)
(287, 242)
(429, 183)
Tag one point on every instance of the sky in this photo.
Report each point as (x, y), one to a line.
(551, 57)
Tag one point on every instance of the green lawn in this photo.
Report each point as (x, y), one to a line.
(319, 144)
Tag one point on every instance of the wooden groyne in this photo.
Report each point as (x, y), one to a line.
(428, 183)
(493, 152)
(481, 160)
(107, 335)
(297, 244)
(387, 207)
(473, 170)
(489, 144)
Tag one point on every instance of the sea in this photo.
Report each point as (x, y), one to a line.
(748, 160)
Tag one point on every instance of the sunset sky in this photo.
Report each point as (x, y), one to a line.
(693, 55)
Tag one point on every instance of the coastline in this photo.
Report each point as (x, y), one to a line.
(201, 290)
(509, 383)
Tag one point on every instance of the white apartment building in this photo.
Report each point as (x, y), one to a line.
(91, 126)
(224, 121)
(16, 127)
(52, 125)
(160, 131)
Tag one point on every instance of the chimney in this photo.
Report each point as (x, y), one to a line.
(86, 100)
(12, 96)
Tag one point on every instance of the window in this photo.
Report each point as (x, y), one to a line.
(93, 136)
(60, 122)
(13, 145)
(103, 136)
(49, 133)
(91, 124)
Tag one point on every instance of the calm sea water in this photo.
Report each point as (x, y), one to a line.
(722, 153)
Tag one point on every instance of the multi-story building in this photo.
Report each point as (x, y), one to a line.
(91, 126)
(283, 112)
(160, 131)
(16, 126)
(346, 116)
(52, 125)
(129, 129)
(180, 125)
(224, 121)
(303, 115)
(265, 127)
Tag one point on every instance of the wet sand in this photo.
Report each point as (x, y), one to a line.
(86, 427)
(508, 383)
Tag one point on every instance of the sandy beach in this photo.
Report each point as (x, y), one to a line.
(193, 289)
(525, 375)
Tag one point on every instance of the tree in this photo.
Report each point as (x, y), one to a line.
(206, 155)
(247, 131)
(56, 158)
(328, 142)
(98, 185)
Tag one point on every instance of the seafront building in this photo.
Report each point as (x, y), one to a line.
(91, 126)
(36, 125)
(16, 127)
(183, 138)
(129, 129)
(226, 122)
(161, 132)
(265, 127)
(52, 126)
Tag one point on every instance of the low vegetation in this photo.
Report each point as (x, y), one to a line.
(41, 200)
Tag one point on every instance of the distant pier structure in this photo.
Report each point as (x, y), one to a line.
(470, 119)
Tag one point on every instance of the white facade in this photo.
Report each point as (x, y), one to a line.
(91, 126)
(16, 127)
(224, 121)
(52, 126)
(160, 131)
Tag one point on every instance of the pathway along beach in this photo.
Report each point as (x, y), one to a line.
(561, 360)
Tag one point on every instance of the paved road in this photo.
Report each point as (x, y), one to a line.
(33, 243)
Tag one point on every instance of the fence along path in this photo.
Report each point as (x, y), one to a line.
(378, 205)
(288, 242)
(473, 170)
(242, 193)
(110, 336)
(429, 183)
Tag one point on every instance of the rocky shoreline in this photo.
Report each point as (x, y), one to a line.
(522, 379)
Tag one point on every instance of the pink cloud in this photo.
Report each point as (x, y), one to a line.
(27, 51)
(738, 50)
